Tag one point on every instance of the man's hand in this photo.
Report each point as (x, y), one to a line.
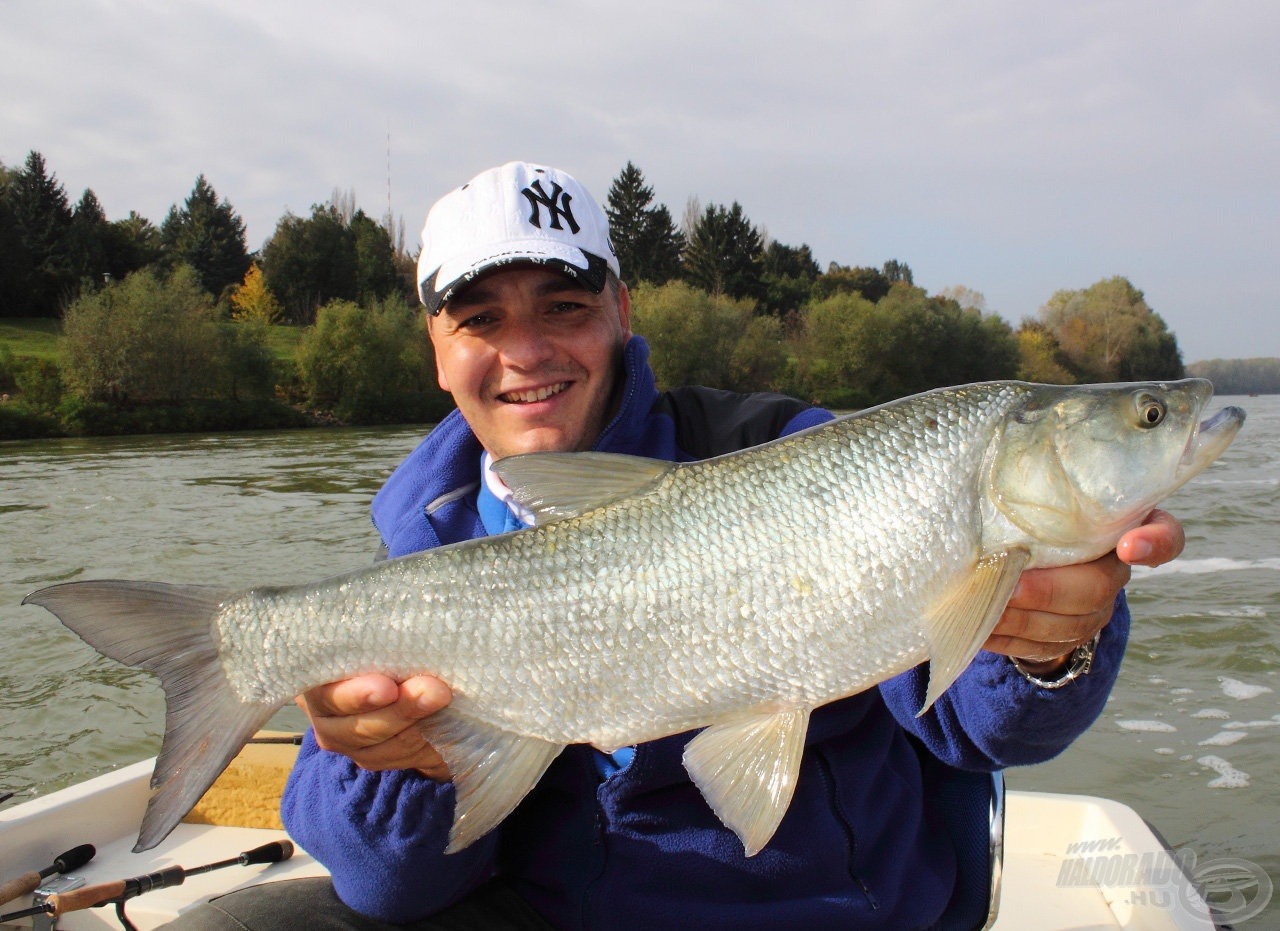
(374, 720)
(1053, 611)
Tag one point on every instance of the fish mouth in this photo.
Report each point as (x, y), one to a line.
(1208, 441)
(533, 395)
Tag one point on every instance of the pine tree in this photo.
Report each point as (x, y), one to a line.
(725, 254)
(645, 238)
(208, 235)
(41, 220)
(88, 239)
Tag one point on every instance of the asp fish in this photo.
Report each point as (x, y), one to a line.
(732, 595)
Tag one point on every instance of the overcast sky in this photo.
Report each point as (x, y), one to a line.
(1015, 148)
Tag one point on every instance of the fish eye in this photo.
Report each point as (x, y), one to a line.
(1151, 411)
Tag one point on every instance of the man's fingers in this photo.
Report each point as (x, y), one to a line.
(373, 719)
(1072, 590)
(1158, 541)
(358, 695)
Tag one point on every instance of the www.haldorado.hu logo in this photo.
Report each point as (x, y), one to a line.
(1234, 890)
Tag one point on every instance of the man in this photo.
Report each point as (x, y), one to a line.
(530, 323)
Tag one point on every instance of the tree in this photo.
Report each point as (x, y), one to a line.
(147, 338)
(131, 244)
(693, 334)
(207, 234)
(87, 239)
(645, 238)
(1108, 333)
(335, 254)
(724, 254)
(40, 217)
(370, 364)
(253, 300)
(376, 273)
(1041, 356)
(870, 283)
(788, 274)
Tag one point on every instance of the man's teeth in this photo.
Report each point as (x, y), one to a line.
(535, 394)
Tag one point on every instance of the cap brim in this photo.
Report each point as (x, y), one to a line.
(591, 271)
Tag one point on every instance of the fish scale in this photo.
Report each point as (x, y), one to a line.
(732, 595)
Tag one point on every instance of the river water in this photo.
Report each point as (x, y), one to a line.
(1190, 738)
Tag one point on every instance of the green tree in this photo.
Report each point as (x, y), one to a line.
(725, 254)
(870, 283)
(370, 364)
(645, 238)
(338, 253)
(788, 274)
(1040, 356)
(148, 338)
(40, 216)
(693, 334)
(88, 239)
(1107, 332)
(131, 244)
(376, 274)
(207, 234)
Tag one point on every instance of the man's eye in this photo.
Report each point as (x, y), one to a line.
(475, 321)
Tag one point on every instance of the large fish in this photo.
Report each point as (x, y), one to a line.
(733, 595)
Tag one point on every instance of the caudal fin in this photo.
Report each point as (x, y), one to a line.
(167, 630)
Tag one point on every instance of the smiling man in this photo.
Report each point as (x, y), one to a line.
(531, 326)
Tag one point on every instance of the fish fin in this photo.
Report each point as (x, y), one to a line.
(166, 630)
(747, 768)
(555, 486)
(960, 622)
(492, 771)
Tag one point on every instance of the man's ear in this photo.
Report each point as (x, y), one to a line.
(624, 310)
(441, 379)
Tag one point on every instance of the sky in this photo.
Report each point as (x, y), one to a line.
(1011, 147)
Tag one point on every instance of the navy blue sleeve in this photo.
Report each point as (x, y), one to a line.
(993, 717)
(381, 835)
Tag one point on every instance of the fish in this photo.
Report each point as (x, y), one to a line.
(727, 597)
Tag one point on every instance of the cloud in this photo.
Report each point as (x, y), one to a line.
(1014, 148)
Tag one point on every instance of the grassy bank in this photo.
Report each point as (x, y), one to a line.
(34, 345)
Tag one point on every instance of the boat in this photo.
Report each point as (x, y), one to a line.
(1069, 861)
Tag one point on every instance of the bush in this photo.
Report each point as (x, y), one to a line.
(370, 364)
(39, 382)
(149, 339)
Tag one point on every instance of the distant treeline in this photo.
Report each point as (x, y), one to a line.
(1240, 376)
(179, 315)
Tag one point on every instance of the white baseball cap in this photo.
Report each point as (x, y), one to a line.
(516, 213)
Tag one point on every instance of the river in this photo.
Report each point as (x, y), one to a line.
(1189, 737)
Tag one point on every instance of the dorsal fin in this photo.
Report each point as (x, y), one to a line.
(555, 486)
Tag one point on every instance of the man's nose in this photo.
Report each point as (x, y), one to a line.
(527, 344)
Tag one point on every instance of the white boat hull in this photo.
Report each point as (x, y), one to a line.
(1045, 884)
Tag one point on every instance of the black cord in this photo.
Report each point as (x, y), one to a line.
(124, 919)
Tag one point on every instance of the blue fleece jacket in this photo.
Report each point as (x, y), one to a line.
(864, 843)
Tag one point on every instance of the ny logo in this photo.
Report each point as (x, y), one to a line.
(557, 205)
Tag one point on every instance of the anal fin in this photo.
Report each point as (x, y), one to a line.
(963, 618)
(492, 770)
(747, 768)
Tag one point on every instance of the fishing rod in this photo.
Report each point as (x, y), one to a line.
(120, 890)
(70, 860)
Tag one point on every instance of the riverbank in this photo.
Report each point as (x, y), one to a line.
(34, 404)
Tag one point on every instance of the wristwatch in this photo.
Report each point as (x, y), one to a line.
(1079, 665)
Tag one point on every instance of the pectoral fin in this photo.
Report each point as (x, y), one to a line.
(492, 771)
(555, 486)
(746, 770)
(965, 615)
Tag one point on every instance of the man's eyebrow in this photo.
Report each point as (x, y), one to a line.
(481, 293)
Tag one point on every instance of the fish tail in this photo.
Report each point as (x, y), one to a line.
(166, 630)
